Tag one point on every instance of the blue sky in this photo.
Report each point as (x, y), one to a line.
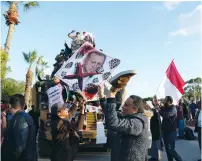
(145, 36)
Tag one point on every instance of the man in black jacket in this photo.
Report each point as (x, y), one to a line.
(21, 141)
(169, 126)
(113, 137)
(35, 114)
(155, 127)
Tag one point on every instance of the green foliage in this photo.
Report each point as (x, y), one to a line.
(193, 89)
(29, 5)
(11, 86)
(30, 57)
(41, 66)
(26, 5)
(4, 58)
(196, 80)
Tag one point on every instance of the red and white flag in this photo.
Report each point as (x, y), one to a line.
(171, 85)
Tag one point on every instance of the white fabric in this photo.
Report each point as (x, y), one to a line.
(149, 132)
(55, 95)
(90, 108)
(149, 103)
(166, 88)
(70, 66)
(199, 119)
(100, 137)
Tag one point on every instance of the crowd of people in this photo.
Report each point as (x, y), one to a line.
(133, 133)
(128, 129)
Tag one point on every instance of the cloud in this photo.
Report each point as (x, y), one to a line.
(170, 5)
(189, 23)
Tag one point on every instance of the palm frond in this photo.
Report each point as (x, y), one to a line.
(40, 60)
(41, 73)
(44, 64)
(29, 5)
(26, 56)
(37, 71)
(7, 3)
(32, 56)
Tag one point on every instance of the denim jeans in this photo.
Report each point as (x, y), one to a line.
(155, 151)
(181, 128)
(169, 142)
(199, 137)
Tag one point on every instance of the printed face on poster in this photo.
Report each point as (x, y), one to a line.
(86, 69)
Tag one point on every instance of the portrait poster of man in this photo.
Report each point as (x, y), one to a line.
(86, 69)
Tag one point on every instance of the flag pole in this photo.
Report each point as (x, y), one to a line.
(162, 80)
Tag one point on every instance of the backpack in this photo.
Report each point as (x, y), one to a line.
(189, 134)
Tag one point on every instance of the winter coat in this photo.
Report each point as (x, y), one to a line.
(133, 130)
(169, 114)
(185, 111)
(180, 115)
(155, 125)
(65, 141)
(21, 141)
(113, 137)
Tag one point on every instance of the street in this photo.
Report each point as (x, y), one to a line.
(188, 150)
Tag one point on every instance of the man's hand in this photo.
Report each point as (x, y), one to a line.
(113, 92)
(76, 103)
(101, 92)
(82, 106)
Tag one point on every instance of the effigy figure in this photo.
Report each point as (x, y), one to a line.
(88, 37)
(60, 59)
(76, 40)
(67, 51)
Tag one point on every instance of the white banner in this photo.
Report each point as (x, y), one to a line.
(86, 69)
(90, 108)
(55, 95)
(101, 138)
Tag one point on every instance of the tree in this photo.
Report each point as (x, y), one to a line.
(41, 66)
(30, 58)
(11, 17)
(4, 59)
(11, 86)
(193, 89)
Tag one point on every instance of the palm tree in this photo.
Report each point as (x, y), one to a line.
(30, 58)
(11, 17)
(40, 67)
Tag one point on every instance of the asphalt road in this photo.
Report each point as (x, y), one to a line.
(188, 150)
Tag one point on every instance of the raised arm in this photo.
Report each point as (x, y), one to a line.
(81, 116)
(73, 110)
(122, 124)
(101, 97)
